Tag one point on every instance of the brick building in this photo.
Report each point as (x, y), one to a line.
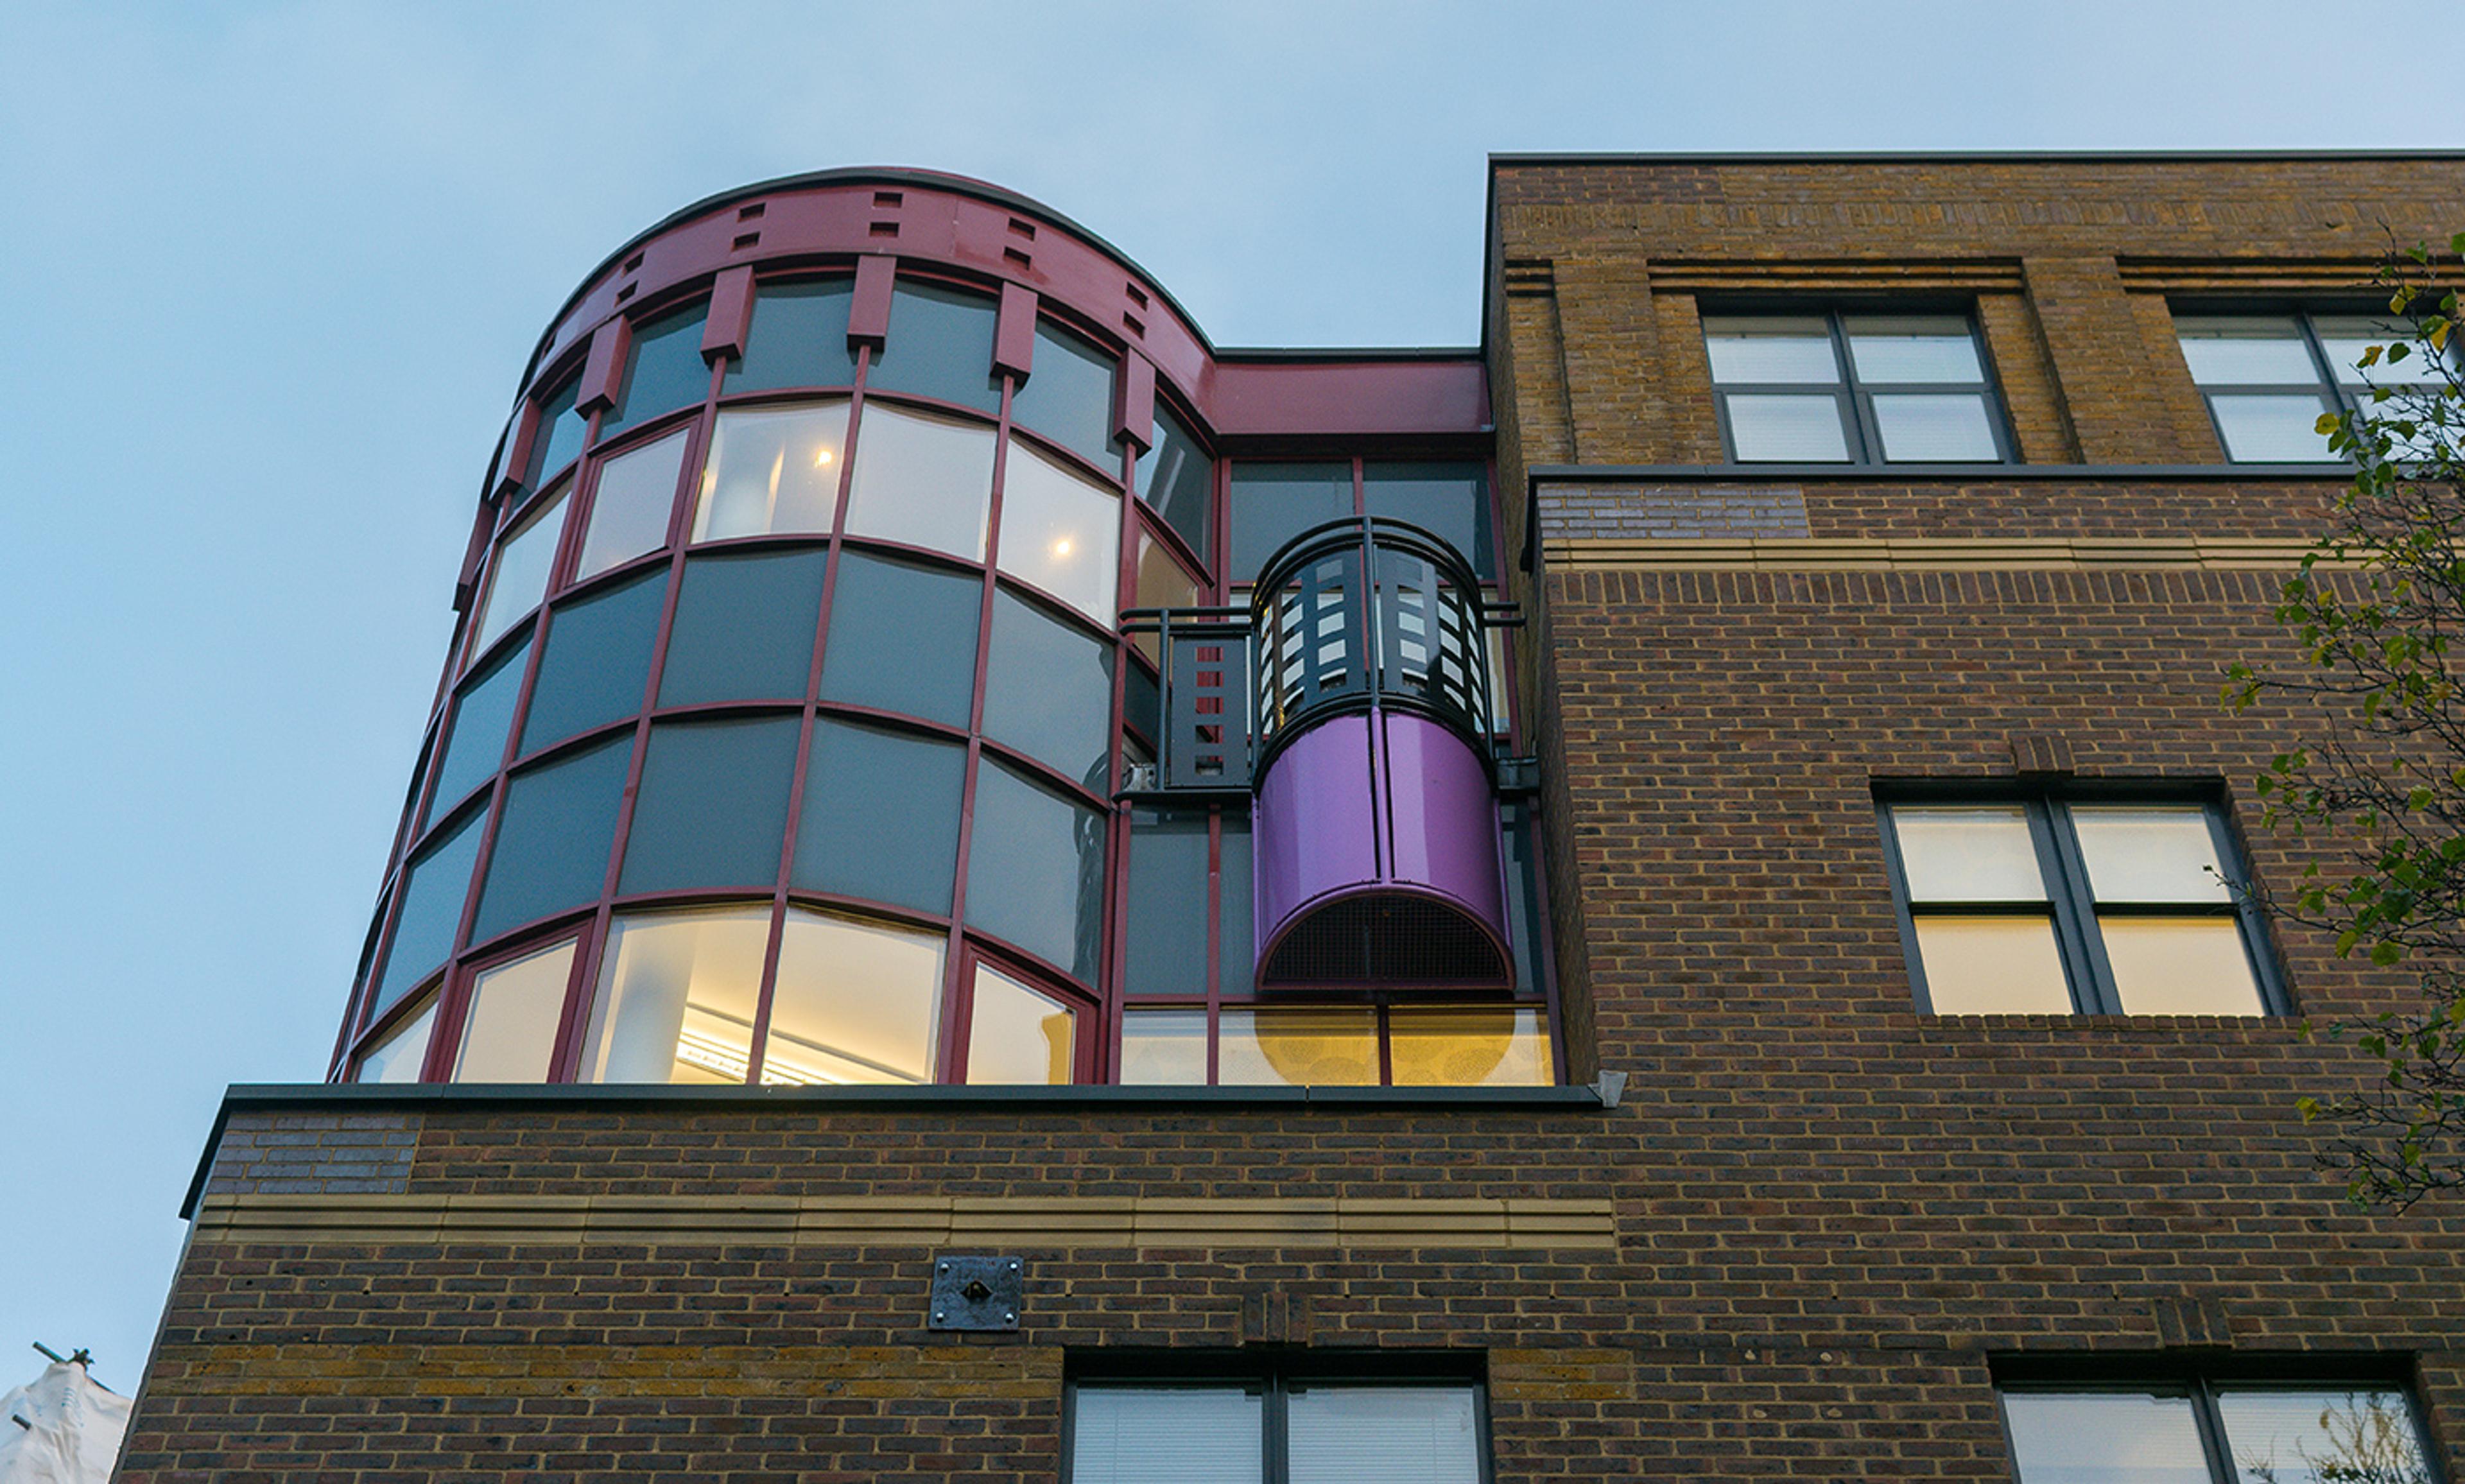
(1649, 899)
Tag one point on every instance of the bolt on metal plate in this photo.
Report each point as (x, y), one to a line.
(976, 1293)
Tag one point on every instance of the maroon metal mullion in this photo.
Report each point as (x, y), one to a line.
(1214, 940)
(954, 1035)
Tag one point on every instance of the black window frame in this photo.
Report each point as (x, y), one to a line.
(2340, 398)
(2070, 901)
(1851, 395)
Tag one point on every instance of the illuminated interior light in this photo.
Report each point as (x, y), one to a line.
(821, 456)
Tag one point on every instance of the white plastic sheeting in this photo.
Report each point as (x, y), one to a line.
(60, 1428)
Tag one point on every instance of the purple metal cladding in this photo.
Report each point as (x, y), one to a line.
(1384, 804)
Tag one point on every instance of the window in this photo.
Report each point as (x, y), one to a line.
(2269, 378)
(631, 506)
(1278, 1428)
(2203, 1431)
(518, 577)
(2054, 904)
(1835, 388)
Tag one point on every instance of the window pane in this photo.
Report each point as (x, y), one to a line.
(855, 1002)
(518, 579)
(1920, 429)
(773, 472)
(1969, 854)
(1236, 954)
(713, 809)
(1271, 504)
(434, 887)
(2343, 338)
(1069, 397)
(1771, 348)
(1383, 1435)
(903, 637)
(1473, 1046)
(663, 371)
(551, 851)
(1524, 924)
(1162, 582)
(798, 338)
(2161, 853)
(924, 481)
(2180, 965)
(2104, 1439)
(510, 1034)
(941, 344)
(675, 998)
(1912, 349)
(1296, 1047)
(1061, 533)
(2322, 1437)
(476, 745)
(1449, 500)
(1168, 906)
(1036, 870)
(598, 661)
(1049, 691)
(398, 1057)
(1175, 479)
(1164, 1049)
(1167, 1436)
(2245, 352)
(1992, 966)
(1787, 429)
(1019, 1034)
(745, 629)
(560, 437)
(882, 816)
(629, 510)
(2272, 429)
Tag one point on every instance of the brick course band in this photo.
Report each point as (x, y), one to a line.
(2054, 553)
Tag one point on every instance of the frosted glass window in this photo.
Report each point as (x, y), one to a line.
(773, 471)
(903, 637)
(397, 1058)
(798, 338)
(551, 850)
(477, 743)
(941, 344)
(1167, 1436)
(1383, 1435)
(2362, 1436)
(2272, 427)
(1767, 428)
(713, 808)
(2343, 338)
(880, 819)
(1166, 950)
(1175, 479)
(1036, 870)
(1912, 349)
(2179, 965)
(1061, 533)
(1473, 1046)
(559, 440)
(631, 506)
(518, 578)
(1992, 965)
(509, 1032)
(921, 481)
(2239, 351)
(1017, 1033)
(855, 1002)
(1049, 691)
(1937, 428)
(1980, 852)
(663, 371)
(1164, 1049)
(1764, 348)
(597, 663)
(2104, 1439)
(1069, 397)
(435, 886)
(677, 997)
(744, 629)
(1271, 504)
(2152, 854)
(1296, 1047)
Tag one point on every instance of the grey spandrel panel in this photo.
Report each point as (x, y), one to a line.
(663, 371)
(903, 637)
(713, 805)
(798, 338)
(881, 817)
(433, 887)
(1036, 870)
(1236, 932)
(1167, 928)
(1450, 501)
(940, 345)
(1049, 691)
(483, 709)
(551, 850)
(744, 629)
(1069, 397)
(1175, 479)
(597, 663)
(1271, 504)
(1142, 703)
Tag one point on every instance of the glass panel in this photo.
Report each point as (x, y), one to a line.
(397, 1058)
(1142, 707)
(1162, 582)
(924, 481)
(1450, 501)
(1976, 853)
(561, 434)
(1771, 348)
(1787, 429)
(2322, 1437)
(713, 808)
(1924, 427)
(1164, 1049)
(630, 509)
(675, 998)
(551, 851)
(1017, 1033)
(1069, 397)
(798, 338)
(509, 1034)
(745, 629)
(903, 637)
(2343, 338)
(598, 661)
(663, 371)
(2180, 965)
(1166, 950)
(518, 579)
(1175, 479)
(1297, 1048)
(1992, 966)
(1167, 1436)
(2272, 429)
(2161, 852)
(1887, 348)
(437, 881)
(1236, 954)
(1049, 691)
(1271, 504)
(1524, 928)
(1036, 870)
(1473, 1046)
(1383, 1435)
(2104, 1439)
(855, 1002)
(476, 745)
(773, 472)
(941, 344)
(1061, 533)
(882, 816)
(2245, 352)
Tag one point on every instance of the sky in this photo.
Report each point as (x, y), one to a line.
(268, 277)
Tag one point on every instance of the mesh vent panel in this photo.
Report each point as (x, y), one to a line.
(1386, 940)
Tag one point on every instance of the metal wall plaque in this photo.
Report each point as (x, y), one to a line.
(976, 1293)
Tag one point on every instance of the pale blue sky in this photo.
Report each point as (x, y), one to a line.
(270, 273)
